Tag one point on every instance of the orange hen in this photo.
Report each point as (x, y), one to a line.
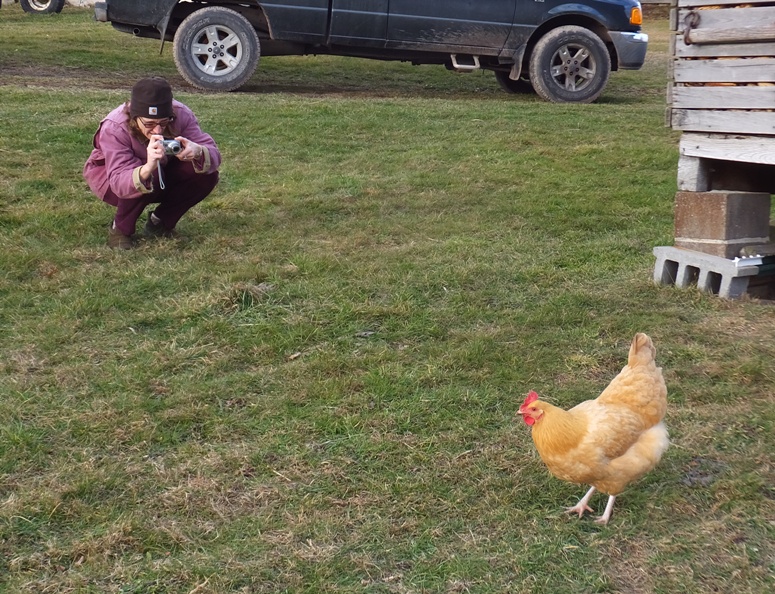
(608, 442)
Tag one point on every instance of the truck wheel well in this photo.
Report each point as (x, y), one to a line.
(254, 14)
(578, 20)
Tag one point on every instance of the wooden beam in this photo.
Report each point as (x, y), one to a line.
(710, 97)
(746, 149)
(729, 122)
(733, 70)
(748, 34)
(713, 3)
(680, 49)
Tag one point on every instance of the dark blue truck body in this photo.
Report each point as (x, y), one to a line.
(498, 35)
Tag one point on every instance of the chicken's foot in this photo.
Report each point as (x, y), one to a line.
(583, 505)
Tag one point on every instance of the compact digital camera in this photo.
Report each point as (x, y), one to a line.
(171, 147)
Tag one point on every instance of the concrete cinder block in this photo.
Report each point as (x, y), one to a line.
(712, 274)
(719, 222)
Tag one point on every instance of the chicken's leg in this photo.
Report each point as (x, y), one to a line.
(609, 508)
(583, 505)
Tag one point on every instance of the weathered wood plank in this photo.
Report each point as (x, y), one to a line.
(729, 18)
(682, 97)
(747, 149)
(729, 122)
(680, 49)
(708, 4)
(732, 70)
(726, 26)
(673, 19)
(693, 174)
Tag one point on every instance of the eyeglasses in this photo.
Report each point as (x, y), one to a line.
(151, 124)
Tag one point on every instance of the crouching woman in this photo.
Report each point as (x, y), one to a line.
(129, 168)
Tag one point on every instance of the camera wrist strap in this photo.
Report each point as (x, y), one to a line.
(161, 178)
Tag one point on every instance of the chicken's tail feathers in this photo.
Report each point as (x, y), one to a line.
(642, 351)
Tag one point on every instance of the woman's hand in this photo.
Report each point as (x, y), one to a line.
(155, 153)
(191, 150)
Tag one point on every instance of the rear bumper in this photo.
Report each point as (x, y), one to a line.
(630, 48)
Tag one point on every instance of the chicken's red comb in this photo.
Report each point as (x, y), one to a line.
(531, 397)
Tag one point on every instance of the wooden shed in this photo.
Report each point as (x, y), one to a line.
(721, 96)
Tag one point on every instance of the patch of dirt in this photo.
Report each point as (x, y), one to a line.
(64, 78)
(76, 78)
(702, 472)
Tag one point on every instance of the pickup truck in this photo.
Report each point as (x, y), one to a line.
(564, 50)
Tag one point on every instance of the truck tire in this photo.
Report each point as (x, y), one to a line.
(216, 49)
(521, 85)
(570, 64)
(42, 6)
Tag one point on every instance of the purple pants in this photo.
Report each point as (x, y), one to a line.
(183, 189)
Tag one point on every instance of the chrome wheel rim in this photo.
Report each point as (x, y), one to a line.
(573, 67)
(217, 50)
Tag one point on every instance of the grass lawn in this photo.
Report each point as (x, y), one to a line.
(314, 389)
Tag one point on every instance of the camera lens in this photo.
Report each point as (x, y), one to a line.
(172, 147)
